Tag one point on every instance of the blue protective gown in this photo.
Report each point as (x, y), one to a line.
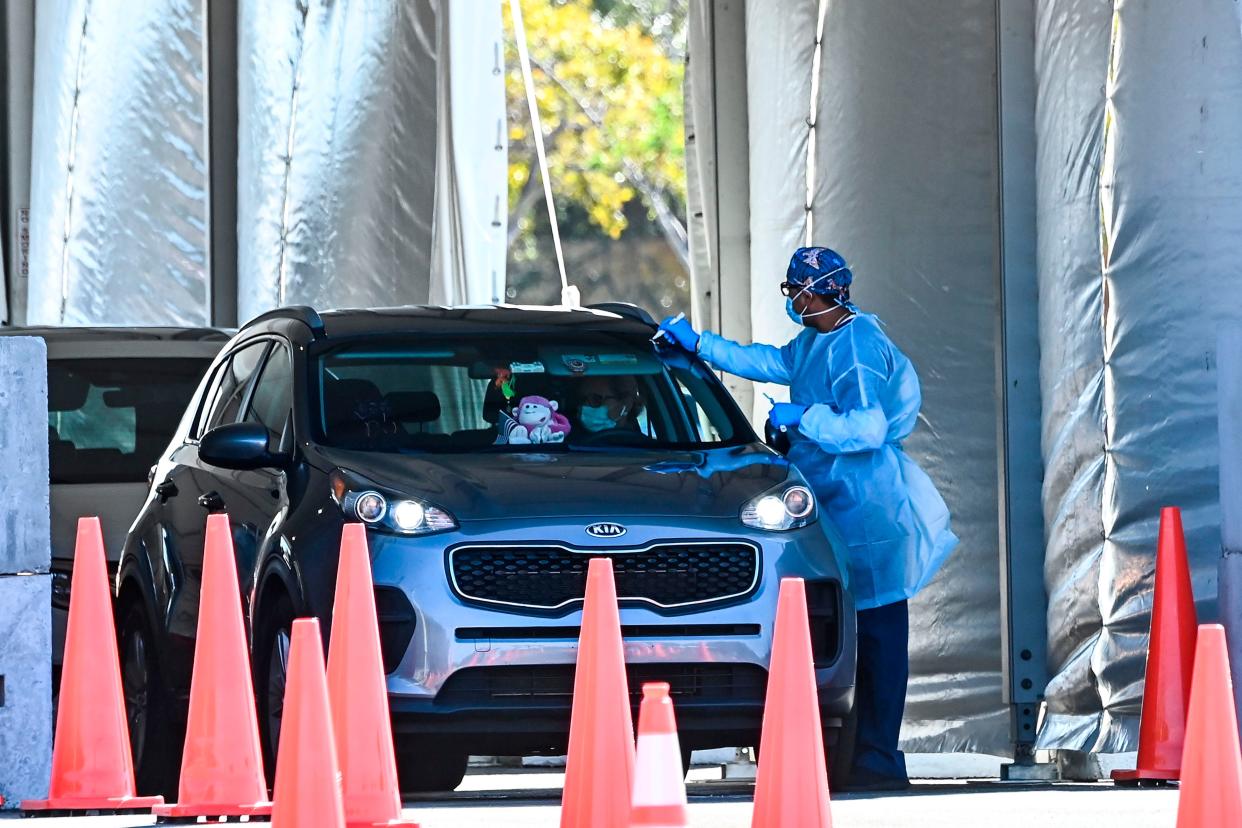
(863, 397)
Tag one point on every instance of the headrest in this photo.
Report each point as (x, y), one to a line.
(414, 406)
(344, 399)
(66, 391)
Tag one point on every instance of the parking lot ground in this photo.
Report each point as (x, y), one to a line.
(530, 798)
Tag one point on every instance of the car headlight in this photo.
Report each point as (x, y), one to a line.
(790, 506)
(361, 500)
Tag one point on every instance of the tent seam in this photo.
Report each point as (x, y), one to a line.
(282, 260)
(72, 159)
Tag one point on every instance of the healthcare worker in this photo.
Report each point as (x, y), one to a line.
(854, 398)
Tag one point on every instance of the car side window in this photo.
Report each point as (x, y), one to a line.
(231, 382)
(273, 394)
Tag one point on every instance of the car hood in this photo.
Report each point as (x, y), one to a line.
(493, 486)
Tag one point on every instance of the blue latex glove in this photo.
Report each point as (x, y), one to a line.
(679, 329)
(786, 415)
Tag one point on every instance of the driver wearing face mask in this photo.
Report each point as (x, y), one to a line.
(607, 403)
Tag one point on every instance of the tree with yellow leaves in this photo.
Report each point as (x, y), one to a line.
(608, 77)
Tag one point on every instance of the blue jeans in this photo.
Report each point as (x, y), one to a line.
(880, 688)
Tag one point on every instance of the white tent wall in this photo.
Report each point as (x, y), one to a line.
(336, 153)
(337, 157)
(472, 176)
(780, 44)
(718, 174)
(1140, 192)
(118, 179)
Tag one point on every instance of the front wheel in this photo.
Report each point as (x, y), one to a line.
(271, 666)
(152, 741)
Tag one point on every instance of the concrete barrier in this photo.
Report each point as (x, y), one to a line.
(25, 582)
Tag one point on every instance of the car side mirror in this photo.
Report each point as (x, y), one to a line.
(777, 440)
(239, 446)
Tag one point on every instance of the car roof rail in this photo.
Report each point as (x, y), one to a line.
(305, 314)
(625, 309)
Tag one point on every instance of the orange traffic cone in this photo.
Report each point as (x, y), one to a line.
(792, 783)
(359, 695)
(221, 766)
(1211, 788)
(92, 768)
(659, 799)
(308, 779)
(1170, 659)
(600, 765)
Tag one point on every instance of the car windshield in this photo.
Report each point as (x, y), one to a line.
(108, 420)
(588, 391)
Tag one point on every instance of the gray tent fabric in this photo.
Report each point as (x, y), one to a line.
(1071, 53)
(908, 117)
(118, 180)
(470, 239)
(701, 220)
(1140, 209)
(336, 153)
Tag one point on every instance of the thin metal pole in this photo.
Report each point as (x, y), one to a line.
(17, 73)
(220, 58)
(1024, 631)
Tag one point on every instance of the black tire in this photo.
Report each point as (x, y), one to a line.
(839, 750)
(687, 757)
(154, 739)
(271, 659)
(433, 768)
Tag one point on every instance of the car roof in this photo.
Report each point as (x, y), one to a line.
(102, 333)
(463, 319)
(66, 343)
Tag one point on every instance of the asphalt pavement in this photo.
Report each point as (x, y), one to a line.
(522, 797)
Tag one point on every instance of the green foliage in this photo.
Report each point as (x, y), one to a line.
(608, 76)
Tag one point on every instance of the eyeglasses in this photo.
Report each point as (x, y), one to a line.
(789, 288)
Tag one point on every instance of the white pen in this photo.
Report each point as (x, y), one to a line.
(663, 333)
(772, 400)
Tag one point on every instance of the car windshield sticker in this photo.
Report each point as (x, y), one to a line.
(618, 359)
(527, 367)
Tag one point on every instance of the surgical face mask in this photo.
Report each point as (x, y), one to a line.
(595, 418)
(801, 318)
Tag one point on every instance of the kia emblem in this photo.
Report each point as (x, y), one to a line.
(605, 530)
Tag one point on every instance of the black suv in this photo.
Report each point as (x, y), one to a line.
(491, 452)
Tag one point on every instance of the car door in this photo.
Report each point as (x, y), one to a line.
(192, 489)
(258, 498)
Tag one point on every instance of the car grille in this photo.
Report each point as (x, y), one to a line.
(550, 577)
(553, 685)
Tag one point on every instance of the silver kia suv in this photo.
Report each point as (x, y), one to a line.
(491, 452)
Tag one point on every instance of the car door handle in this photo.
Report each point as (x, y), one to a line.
(211, 501)
(166, 490)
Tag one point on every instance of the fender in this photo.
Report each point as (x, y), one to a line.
(135, 572)
(277, 567)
